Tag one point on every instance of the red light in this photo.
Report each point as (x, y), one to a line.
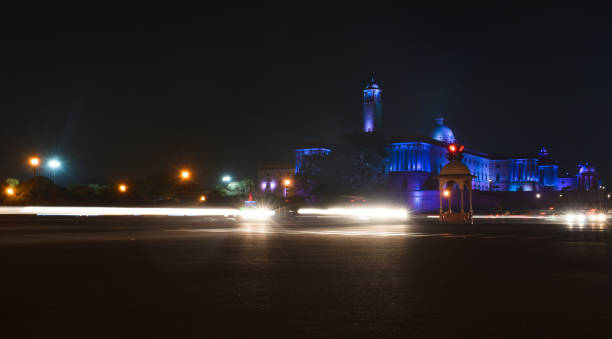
(461, 148)
(452, 148)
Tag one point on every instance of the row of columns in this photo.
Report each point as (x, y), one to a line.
(442, 190)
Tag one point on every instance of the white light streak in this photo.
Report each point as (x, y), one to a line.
(118, 211)
(358, 212)
(256, 214)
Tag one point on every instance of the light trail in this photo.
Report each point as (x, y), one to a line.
(358, 212)
(134, 211)
(484, 216)
(261, 229)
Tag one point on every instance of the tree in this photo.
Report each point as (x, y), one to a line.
(354, 167)
(234, 188)
(12, 182)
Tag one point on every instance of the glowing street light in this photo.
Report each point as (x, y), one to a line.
(34, 162)
(287, 183)
(202, 198)
(10, 191)
(54, 164)
(538, 195)
(185, 175)
(226, 178)
(122, 188)
(446, 193)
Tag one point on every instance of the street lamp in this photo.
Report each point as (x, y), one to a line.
(54, 164)
(447, 194)
(287, 183)
(10, 191)
(185, 175)
(202, 198)
(122, 188)
(226, 178)
(538, 195)
(34, 162)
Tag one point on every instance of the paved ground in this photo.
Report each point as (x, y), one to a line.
(190, 277)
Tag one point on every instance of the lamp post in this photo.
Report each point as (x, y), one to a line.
(122, 188)
(34, 162)
(287, 183)
(185, 175)
(54, 164)
(448, 195)
(226, 179)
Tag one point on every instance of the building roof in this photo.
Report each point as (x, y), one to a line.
(586, 169)
(443, 133)
(455, 168)
(372, 84)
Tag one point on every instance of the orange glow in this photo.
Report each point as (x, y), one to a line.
(287, 182)
(446, 193)
(185, 174)
(202, 198)
(34, 161)
(452, 148)
(122, 188)
(10, 191)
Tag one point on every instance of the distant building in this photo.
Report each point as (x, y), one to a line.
(413, 161)
(372, 107)
(271, 178)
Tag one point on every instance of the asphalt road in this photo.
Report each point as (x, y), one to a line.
(177, 277)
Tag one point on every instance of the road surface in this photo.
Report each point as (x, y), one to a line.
(178, 277)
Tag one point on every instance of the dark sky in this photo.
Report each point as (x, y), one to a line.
(122, 93)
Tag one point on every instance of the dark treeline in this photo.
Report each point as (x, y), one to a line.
(158, 189)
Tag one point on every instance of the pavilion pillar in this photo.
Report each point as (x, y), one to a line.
(471, 209)
(462, 211)
(441, 192)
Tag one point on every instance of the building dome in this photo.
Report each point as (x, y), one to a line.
(372, 84)
(455, 168)
(586, 170)
(443, 133)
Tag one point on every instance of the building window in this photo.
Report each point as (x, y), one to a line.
(497, 177)
(496, 165)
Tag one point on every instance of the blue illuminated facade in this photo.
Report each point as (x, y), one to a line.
(302, 153)
(413, 162)
(372, 107)
(410, 157)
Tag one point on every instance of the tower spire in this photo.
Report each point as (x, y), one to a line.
(372, 108)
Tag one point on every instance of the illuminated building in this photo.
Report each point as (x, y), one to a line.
(372, 107)
(587, 178)
(271, 177)
(412, 162)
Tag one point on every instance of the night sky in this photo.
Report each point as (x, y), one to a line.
(119, 94)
